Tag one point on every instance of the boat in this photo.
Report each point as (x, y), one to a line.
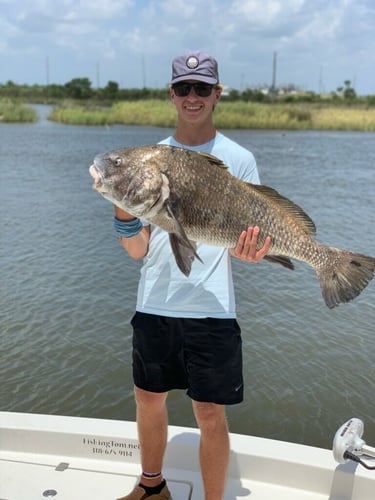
(74, 458)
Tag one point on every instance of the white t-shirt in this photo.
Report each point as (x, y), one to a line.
(208, 291)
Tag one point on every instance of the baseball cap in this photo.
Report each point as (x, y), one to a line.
(195, 65)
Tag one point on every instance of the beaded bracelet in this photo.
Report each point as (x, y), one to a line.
(127, 228)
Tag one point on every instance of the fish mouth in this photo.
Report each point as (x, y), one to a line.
(98, 177)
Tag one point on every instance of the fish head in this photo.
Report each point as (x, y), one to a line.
(131, 179)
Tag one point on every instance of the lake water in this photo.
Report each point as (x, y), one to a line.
(68, 289)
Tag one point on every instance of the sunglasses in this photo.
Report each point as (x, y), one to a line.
(184, 89)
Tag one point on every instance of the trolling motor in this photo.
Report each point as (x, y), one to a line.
(349, 445)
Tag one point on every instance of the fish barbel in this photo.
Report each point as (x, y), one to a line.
(194, 198)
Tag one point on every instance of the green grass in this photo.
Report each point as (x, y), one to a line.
(228, 115)
(81, 116)
(12, 113)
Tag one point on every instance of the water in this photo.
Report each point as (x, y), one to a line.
(68, 289)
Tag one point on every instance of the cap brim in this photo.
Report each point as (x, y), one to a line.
(198, 78)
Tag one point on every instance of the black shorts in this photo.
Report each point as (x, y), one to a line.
(203, 356)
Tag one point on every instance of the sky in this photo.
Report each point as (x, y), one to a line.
(318, 43)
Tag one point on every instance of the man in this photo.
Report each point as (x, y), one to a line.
(185, 333)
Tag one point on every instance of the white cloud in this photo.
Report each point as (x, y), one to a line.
(336, 35)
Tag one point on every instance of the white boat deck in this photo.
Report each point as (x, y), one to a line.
(69, 458)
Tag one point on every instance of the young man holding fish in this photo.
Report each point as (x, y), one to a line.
(185, 331)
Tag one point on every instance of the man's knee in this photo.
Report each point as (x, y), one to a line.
(149, 399)
(209, 415)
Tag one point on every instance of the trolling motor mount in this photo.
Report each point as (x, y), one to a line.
(348, 438)
(349, 445)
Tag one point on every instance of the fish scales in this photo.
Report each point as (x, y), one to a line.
(194, 198)
(242, 208)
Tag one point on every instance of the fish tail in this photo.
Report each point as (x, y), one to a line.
(344, 275)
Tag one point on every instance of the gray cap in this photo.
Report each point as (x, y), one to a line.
(195, 65)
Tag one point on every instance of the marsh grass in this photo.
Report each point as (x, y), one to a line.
(81, 116)
(261, 116)
(228, 115)
(154, 112)
(12, 113)
(344, 119)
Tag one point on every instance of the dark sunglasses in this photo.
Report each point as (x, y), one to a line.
(184, 89)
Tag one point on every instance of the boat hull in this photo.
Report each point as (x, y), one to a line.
(71, 458)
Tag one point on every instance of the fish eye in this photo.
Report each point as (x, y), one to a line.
(118, 161)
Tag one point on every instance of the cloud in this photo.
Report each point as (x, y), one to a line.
(335, 36)
(44, 13)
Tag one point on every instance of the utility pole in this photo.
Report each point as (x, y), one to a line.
(47, 71)
(321, 85)
(274, 68)
(98, 75)
(143, 72)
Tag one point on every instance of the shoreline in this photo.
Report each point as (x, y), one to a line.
(228, 115)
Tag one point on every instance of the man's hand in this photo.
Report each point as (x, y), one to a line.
(246, 248)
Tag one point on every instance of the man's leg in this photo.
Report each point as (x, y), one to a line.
(214, 447)
(152, 421)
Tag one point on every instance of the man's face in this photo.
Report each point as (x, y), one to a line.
(196, 105)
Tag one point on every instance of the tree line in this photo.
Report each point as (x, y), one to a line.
(78, 88)
(81, 89)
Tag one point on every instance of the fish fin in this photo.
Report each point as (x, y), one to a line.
(280, 259)
(184, 253)
(184, 250)
(344, 275)
(288, 205)
(213, 159)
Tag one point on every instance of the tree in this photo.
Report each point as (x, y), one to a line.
(111, 90)
(79, 88)
(349, 92)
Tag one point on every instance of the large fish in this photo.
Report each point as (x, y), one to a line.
(194, 198)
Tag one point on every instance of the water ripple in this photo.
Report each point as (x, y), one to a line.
(68, 290)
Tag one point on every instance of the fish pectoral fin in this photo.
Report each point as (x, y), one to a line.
(183, 249)
(184, 252)
(280, 259)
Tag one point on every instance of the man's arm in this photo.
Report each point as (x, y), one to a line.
(246, 248)
(136, 246)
